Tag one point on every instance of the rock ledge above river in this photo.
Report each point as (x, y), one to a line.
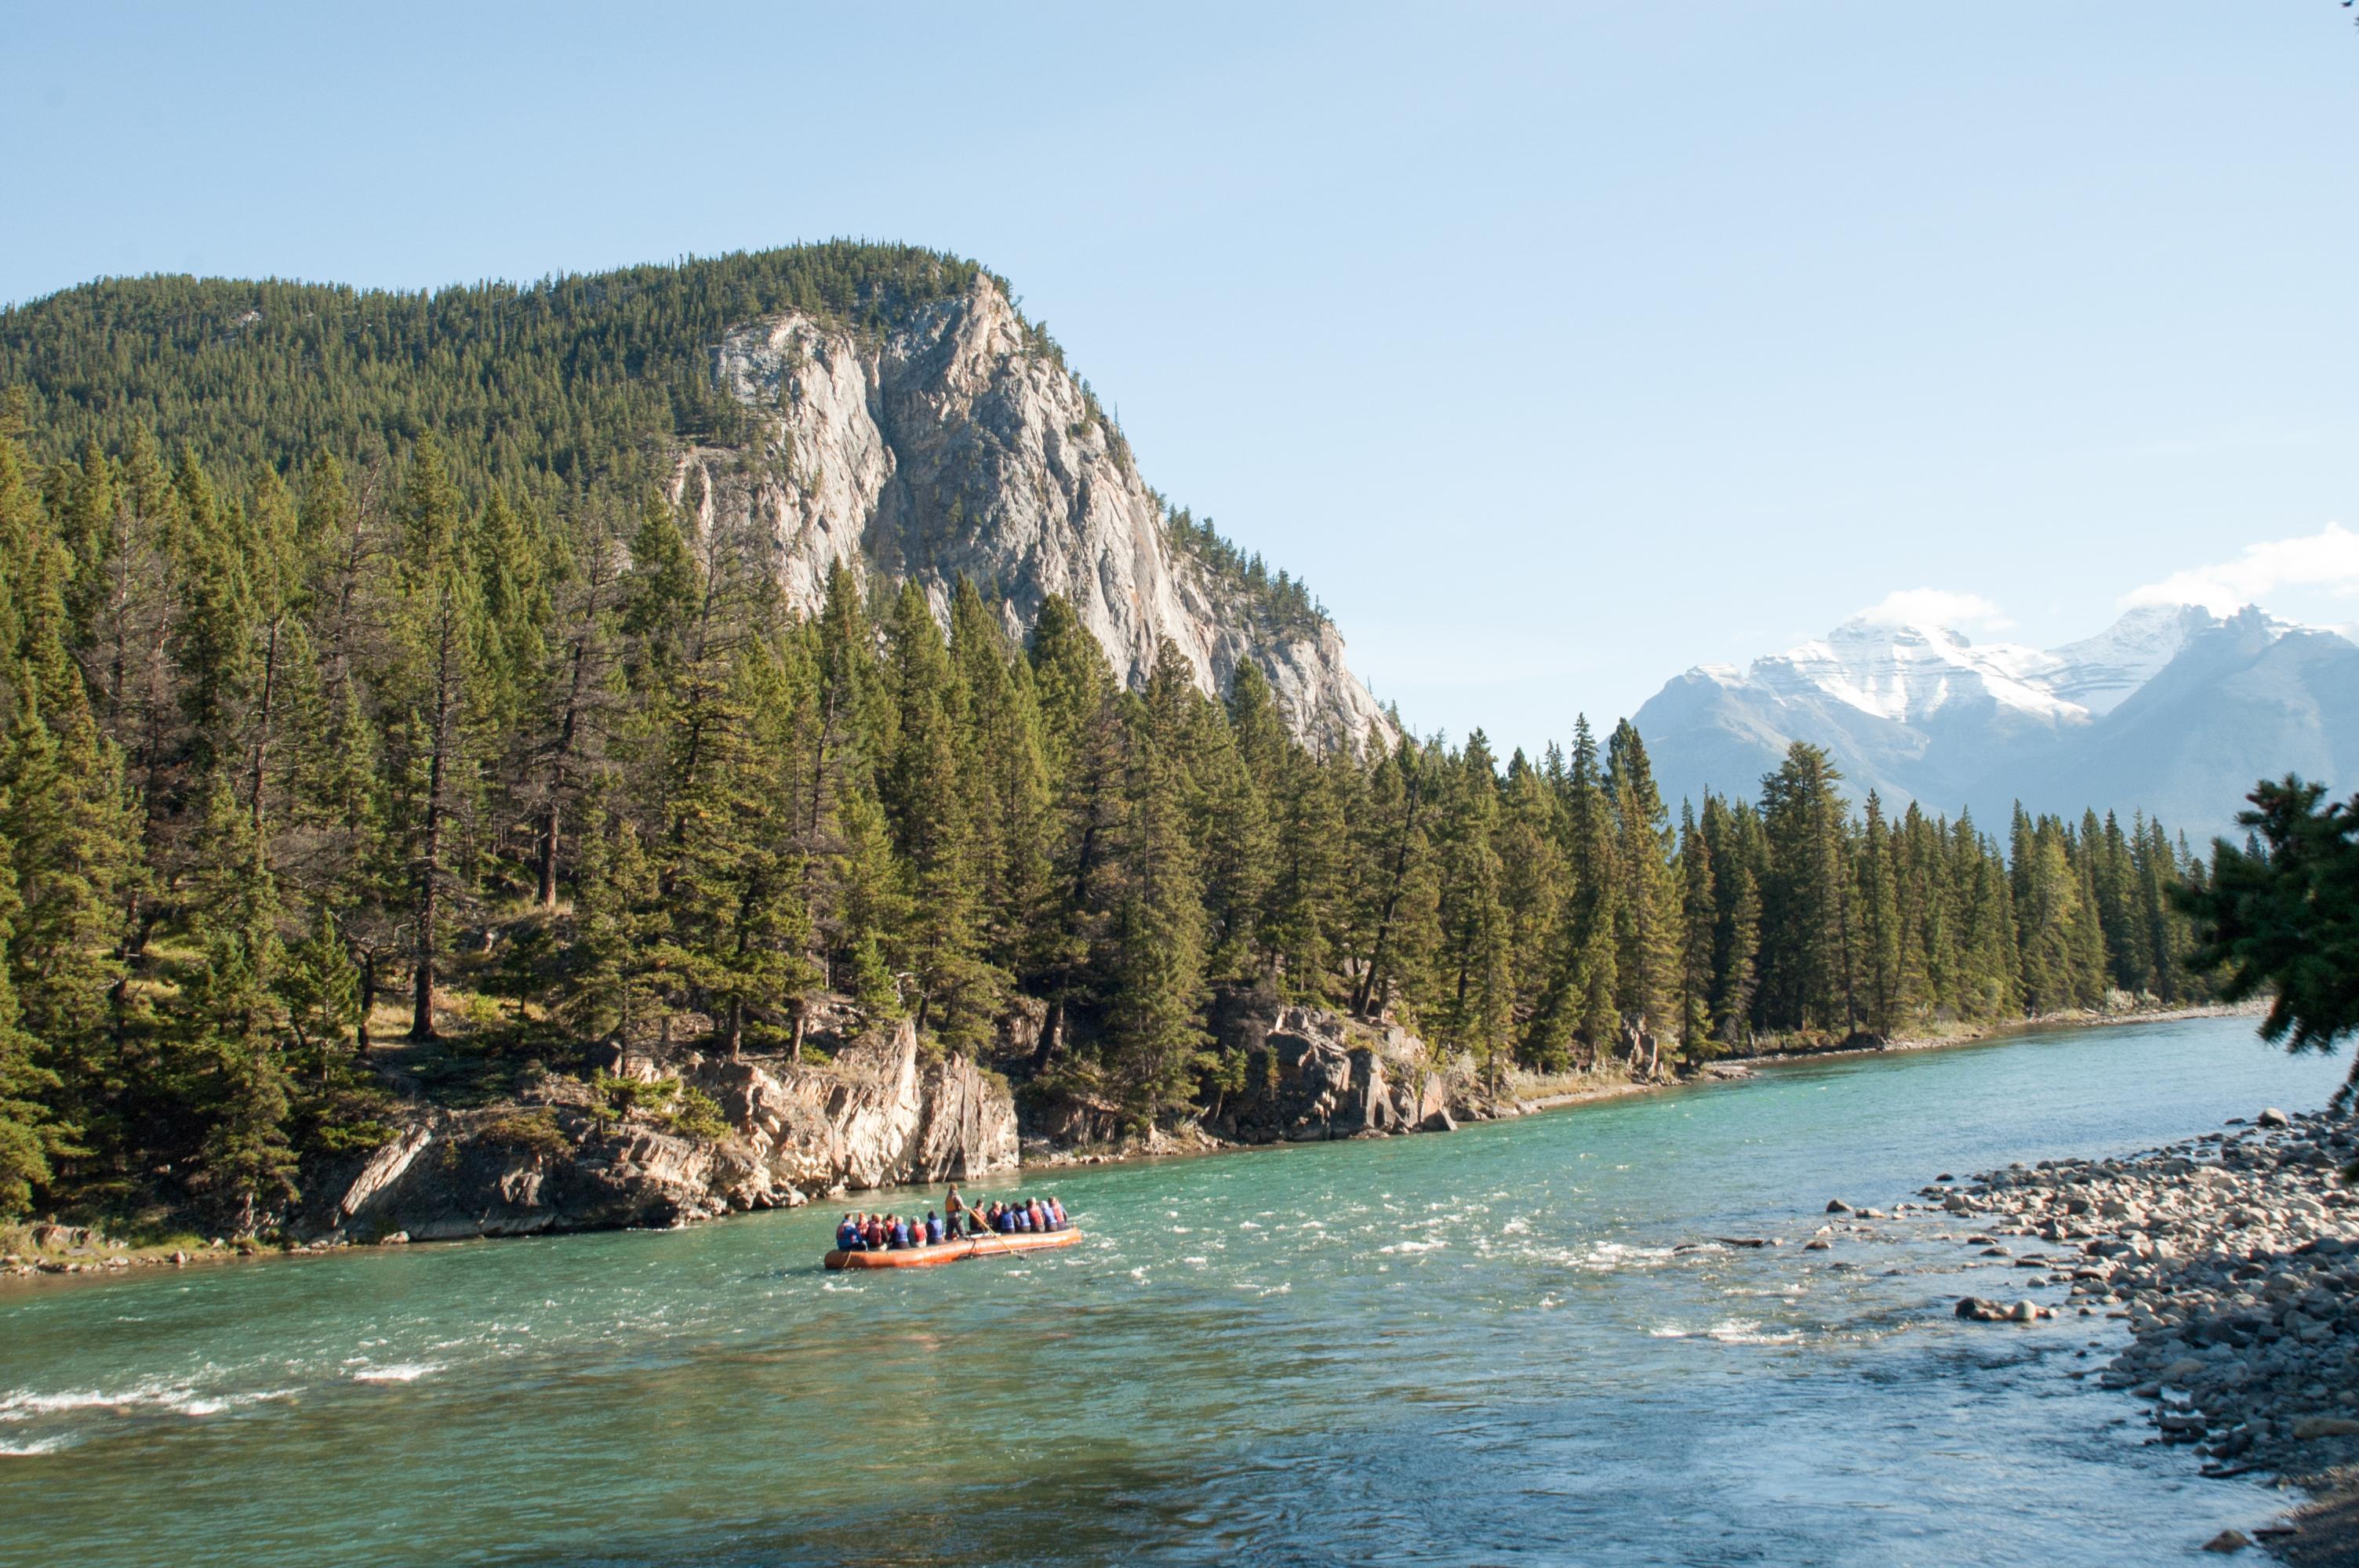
(881, 1112)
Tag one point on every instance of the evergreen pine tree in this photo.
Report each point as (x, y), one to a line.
(231, 1020)
(1155, 937)
(1698, 928)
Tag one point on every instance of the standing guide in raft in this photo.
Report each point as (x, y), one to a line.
(898, 1241)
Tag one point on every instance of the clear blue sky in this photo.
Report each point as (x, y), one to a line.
(1559, 347)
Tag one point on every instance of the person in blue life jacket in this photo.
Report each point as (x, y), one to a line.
(933, 1228)
(847, 1235)
(1002, 1220)
(900, 1232)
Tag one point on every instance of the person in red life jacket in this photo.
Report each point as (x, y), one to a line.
(1057, 1215)
(1035, 1216)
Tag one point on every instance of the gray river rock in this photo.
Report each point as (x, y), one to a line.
(2235, 1258)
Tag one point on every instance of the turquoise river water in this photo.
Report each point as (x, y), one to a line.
(1484, 1347)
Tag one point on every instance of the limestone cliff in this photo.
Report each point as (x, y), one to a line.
(957, 442)
(1308, 1075)
(1312, 1076)
(880, 1113)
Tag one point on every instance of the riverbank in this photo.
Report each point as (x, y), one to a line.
(1772, 1405)
(1978, 1033)
(46, 1250)
(1344, 1089)
(2234, 1257)
(1529, 1094)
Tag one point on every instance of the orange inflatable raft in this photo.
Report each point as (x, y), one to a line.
(952, 1252)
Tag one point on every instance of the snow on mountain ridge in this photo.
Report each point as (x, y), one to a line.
(2173, 711)
(2098, 671)
(1906, 672)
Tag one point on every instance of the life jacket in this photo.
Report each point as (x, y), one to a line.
(933, 1228)
(847, 1237)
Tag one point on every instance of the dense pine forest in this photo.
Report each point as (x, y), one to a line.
(366, 733)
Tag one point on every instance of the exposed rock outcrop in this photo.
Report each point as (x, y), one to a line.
(958, 443)
(1312, 1075)
(879, 1113)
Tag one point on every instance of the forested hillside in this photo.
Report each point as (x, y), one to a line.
(398, 737)
(562, 392)
(575, 391)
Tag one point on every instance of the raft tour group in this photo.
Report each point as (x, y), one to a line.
(957, 1230)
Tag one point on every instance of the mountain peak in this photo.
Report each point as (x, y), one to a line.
(1905, 671)
(2173, 709)
(956, 443)
(2099, 672)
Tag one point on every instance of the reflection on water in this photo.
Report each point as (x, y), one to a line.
(1519, 1341)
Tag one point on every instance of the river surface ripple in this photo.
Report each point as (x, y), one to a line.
(1492, 1346)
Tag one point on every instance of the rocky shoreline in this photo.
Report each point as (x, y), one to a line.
(1982, 1033)
(2235, 1258)
(881, 1113)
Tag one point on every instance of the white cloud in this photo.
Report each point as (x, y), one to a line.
(2326, 560)
(1937, 607)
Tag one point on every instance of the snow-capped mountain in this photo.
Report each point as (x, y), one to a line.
(1909, 672)
(2172, 710)
(2096, 673)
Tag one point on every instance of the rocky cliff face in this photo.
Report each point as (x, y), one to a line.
(958, 443)
(1312, 1075)
(880, 1113)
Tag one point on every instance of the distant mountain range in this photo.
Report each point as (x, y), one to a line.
(2172, 710)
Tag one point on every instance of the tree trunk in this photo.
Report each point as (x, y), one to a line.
(550, 817)
(1052, 1034)
(545, 853)
(1392, 904)
(262, 722)
(368, 1002)
(429, 872)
